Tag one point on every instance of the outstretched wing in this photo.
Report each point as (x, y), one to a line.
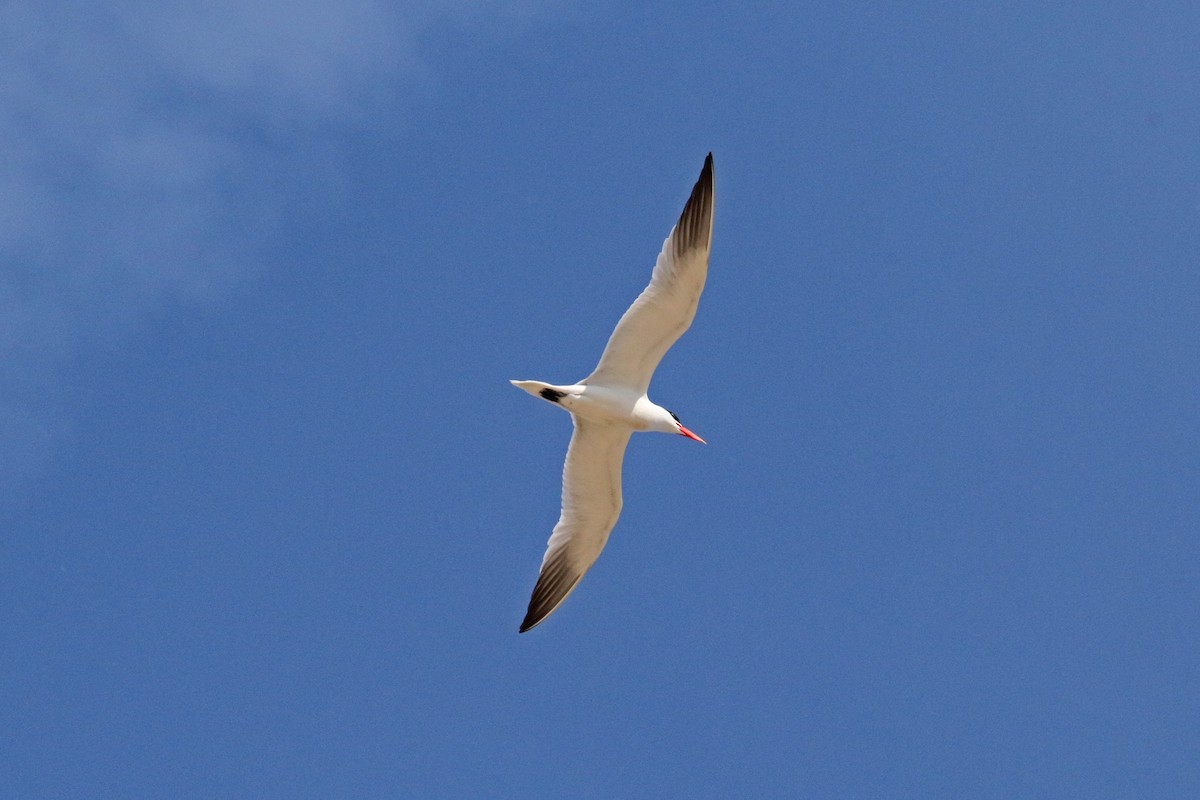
(665, 309)
(591, 503)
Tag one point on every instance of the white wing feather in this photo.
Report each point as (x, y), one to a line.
(665, 309)
(591, 503)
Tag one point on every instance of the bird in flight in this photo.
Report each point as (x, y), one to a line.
(611, 403)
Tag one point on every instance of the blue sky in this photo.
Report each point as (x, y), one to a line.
(271, 511)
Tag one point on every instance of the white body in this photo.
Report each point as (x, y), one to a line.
(611, 403)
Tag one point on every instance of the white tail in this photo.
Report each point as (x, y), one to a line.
(533, 387)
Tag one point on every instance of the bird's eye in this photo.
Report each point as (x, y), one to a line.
(672, 413)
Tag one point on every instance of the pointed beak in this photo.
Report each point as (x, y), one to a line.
(685, 432)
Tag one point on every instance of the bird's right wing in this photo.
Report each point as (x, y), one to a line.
(591, 503)
(665, 308)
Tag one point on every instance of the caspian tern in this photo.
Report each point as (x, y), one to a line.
(611, 403)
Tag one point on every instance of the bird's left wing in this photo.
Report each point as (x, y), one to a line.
(665, 308)
(591, 503)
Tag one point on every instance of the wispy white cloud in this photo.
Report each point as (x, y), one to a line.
(140, 144)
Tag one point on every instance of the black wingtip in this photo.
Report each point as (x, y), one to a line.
(554, 583)
(532, 618)
(706, 175)
(694, 228)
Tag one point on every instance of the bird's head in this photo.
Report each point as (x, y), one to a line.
(682, 431)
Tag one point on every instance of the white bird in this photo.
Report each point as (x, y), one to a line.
(611, 403)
